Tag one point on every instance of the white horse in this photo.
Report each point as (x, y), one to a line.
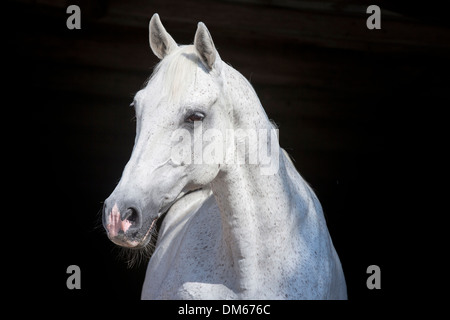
(231, 229)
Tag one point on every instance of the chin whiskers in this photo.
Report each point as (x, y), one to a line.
(134, 257)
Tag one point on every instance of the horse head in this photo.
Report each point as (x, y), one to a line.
(183, 95)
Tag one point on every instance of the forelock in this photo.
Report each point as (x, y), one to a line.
(176, 72)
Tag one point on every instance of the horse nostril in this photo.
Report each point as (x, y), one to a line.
(131, 215)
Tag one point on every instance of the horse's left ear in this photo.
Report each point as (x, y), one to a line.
(160, 40)
(204, 45)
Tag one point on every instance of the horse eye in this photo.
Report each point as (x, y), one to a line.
(195, 116)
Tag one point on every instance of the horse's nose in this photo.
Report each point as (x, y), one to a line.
(119, 219)
(131, 214)
(105, 214)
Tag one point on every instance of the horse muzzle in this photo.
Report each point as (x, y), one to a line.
(124, 225)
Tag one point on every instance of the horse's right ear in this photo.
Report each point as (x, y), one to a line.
(204, 45)
(161, 42)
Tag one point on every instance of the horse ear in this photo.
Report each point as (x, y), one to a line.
(161, 42)
(204, 45)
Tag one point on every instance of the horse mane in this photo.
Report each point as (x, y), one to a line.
(176, 72)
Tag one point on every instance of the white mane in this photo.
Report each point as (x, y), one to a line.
(176, 72)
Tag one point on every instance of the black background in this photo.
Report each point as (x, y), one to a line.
(363, 113)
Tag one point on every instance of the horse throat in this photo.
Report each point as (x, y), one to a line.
(255, 209)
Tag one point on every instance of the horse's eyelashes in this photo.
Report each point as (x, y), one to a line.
(195, 116)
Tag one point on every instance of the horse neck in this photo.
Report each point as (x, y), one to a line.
(253, 205)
